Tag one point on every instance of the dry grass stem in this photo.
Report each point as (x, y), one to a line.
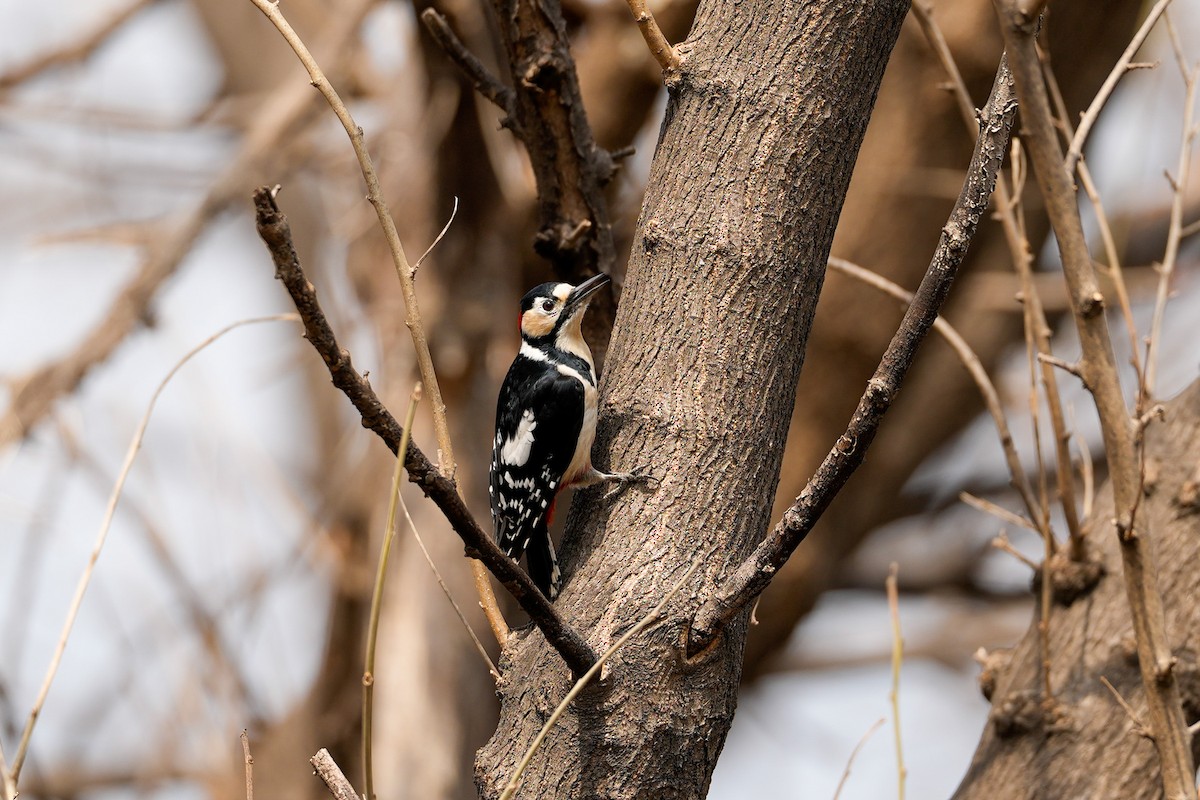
(514, 782)
(854, 754)
(893, 599)
(389, 536)
(405, 272)
(105, 525)
(479, 648)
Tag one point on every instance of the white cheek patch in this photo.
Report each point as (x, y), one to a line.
(515, 451)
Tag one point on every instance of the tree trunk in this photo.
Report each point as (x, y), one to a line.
(1085, 744)
(754, 158)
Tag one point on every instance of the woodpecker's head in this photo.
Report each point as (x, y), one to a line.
(551, 313)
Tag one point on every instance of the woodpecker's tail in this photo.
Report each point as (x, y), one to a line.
(543, 565)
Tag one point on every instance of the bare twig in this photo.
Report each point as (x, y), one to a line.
(333, 777)
(481, 78)
(1123, 65)
(1037, 330)
(1098, 366)
(389, 535)
(897, 660)
(660, 48)
(1002, 543)
(6, 777)
(275, 233)
(754, 574)
(998, 511)
(1174, 235)
(1115, 270)
(375, 196)
(479, 648)
(1123, 703)
(406, 273)
(135, 445)
(438, 238)
(966, 355)
(76, 51)
(854, 754)
(249, 761)
(515, 781)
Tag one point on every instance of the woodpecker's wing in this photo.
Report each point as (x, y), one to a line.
(538, 420)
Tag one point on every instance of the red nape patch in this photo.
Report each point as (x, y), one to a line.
(520, 317)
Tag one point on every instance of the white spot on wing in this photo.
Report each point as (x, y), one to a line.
(515, 451)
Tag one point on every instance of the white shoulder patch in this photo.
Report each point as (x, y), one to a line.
(515, 451)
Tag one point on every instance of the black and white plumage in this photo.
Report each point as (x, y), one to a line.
(545, 425)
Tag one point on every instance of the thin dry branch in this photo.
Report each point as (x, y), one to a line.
(389, 536)
(740, 589)
(854, 754)
(1123, 65)
(991, 397)
(1037, 330)
(481, 78)
(406, 274)
(1174, 236)
(35, 394)
(1098, 365)
(660, 48)
(275, 233)
(9, 784)
(249, 762)
(110, 511)
(77, 50)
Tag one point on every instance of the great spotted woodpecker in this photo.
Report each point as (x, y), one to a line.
(545, 425)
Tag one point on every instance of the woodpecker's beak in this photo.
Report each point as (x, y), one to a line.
(578, 299)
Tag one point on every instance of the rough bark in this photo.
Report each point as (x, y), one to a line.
(747, 183)
(1089, 746)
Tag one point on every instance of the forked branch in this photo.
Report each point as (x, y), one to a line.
(754, 575)
(1098, 366)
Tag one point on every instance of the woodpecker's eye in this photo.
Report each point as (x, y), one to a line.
(547, 306)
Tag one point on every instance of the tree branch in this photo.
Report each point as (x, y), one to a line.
(660, 48)
(755, 574)
(333, 777)
(1098, 365)
(274, 230)
(481, 78)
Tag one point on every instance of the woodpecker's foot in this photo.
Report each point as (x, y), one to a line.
(622, 480)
